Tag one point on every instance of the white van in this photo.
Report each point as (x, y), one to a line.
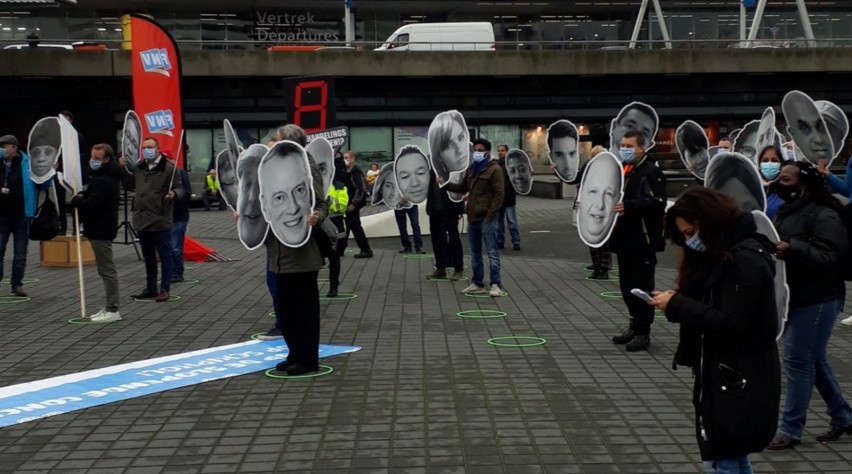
(441, 37)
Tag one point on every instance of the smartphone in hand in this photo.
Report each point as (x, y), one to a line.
(641, 295)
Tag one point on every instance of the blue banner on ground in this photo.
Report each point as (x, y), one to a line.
(54, 396)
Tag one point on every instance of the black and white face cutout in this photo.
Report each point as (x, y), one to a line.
(227, 174)
(562, 141)
(251, 226)
(449, 144)
(287, 192)
(43, 147)
(766, 133)
(735, 175)
(782, 290)
(601, 189)
(634, 117)
(692, 145)
(232, 144)
(807, 127)
(519, 169)
(837, 123)
(131, 137)
(411, 170)
(746, 141)
(323, 153)
(386, 191)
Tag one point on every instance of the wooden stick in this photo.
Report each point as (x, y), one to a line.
(80, 263)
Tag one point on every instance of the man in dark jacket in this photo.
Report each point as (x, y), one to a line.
(508, 216)
(484, 183)
(638, 236)
(444, 226)
(156, 188)
(356, 184)
(181, 220)
(98, 209)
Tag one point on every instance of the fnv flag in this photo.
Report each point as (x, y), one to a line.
(156, 84)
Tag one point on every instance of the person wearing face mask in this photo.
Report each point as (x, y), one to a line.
(638, 236)
(484, 184)
(98, 210)
(356, 184)
(769, 165)
(157, 186)
(725, 305)
(813, 241)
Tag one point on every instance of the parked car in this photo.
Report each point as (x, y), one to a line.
(441, 37)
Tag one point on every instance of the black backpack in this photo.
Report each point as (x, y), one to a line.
(45, 224)
(846, 217)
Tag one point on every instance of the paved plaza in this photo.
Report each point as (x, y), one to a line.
(425, 394)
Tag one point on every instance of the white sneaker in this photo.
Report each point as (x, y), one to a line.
(473, 289)
(92, 317)
(106, 317)
(496, 291)
(847, 321)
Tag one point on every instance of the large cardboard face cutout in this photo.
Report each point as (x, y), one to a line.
(519, 169)
(736, 176)
(634, 117)
(131, 137)
(43, 147)
(807, 128)
(386, 191)
(767, 135)
(837, 123)
(693, 147)
(601, 189)
(562, 145)
(71, 177)
(411, 172)
(251, 226)
(227, 174)
(323, 153)
(746, 142)
(287, 192)
(782, 290)
(449, 144)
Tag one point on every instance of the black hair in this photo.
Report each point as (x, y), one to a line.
(693, 138)
(815, 185)
(483, 142)
(561, 129)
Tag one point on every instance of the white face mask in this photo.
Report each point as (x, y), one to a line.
(478, 156)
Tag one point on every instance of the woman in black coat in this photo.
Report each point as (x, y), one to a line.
(725, 304)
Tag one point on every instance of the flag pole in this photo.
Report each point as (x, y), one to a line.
(80, 263)
(177, 156)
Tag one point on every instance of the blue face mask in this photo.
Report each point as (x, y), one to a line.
(627, 154)
(791, 154)
(696, 244)
(149, 153)
(95, 165)
(770, 171)
(478, 156)
(2, 153)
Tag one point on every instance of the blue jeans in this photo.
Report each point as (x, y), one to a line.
(740, 465)
(178, 235)
(414, 216)
(161, 242)
(508, 216)
(477, 233)
(806, 365)
(19, 228)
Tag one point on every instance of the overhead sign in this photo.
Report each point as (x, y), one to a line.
(336, 136)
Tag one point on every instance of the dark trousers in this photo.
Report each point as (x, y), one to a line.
(205, 198)
(413, 214)
(299, 316)
(178, 236)
(637, 271)
(601, 258)
(159, 241)
(63, 210)
(336, 253)
(353, 224)
(17, 228)
(446, 242)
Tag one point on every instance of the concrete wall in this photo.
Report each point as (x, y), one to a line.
(51, 63)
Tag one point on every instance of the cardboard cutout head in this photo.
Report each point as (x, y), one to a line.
(386, 191)
(323, 153)
(251, 226)
(287, 192)
(837, 123)
(43, 147)
(692, 145)
(131, 137)
(746, 142)
(782, 290)
(600, 190)
(563, 150)
(736, 176)
(227, 174)
(807, 128)
(634, 117)
(449, 144)
(411, 171)
(519, 170)
(71, 176)
(767, 135)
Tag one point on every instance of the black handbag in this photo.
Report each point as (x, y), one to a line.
(45, 224)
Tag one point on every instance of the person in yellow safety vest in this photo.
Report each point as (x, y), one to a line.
(338, 201)
(212, 190)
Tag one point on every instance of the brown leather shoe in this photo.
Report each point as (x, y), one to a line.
(782, 441)
(162, 296)
(145, 294)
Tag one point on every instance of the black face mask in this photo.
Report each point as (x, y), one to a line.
(788, 193)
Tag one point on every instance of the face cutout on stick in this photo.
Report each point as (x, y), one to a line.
(386, 191)
(323, 153)
(411, 171)
(736, 176)
(287, 193)
(746, 142)
(562, 143)
(43, 148)
(600, 190)
(634, 117)
(227, 174)
(251, 226)
(519, 169)
(449, 144)
(782, 290)
(837, 123)
(692, 145)
(131, 137)
(807, 128)
(767, 135)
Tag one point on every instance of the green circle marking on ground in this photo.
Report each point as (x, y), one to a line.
(14, 299)
(481, 314)
(271, 374)
(417, 256)
(340, 297)
(89, 322)
(486, 295)
(152, 300)
(535, 341)
(599, 279)
(191, 281)
(271, 314)
(187, 267)
(23, 280)
(322, 280)
(611, 294)
(256, 335)
(446, 279)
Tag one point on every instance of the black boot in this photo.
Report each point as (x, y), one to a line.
(332, 292)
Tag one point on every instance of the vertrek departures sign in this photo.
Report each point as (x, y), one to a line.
(294, 27)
